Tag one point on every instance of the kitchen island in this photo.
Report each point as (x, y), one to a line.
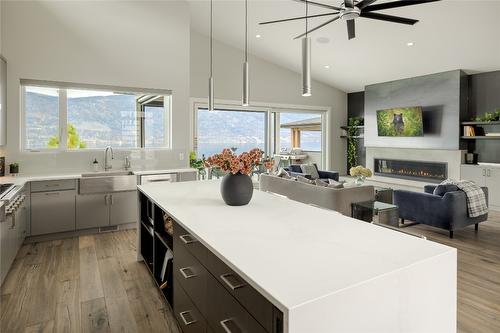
(290, 267)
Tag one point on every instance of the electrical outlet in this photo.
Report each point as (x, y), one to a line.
(181, 156)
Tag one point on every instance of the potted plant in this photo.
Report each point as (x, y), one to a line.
(236, 186)
(14, 168)
(360, 173)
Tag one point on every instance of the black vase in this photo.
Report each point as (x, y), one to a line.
(236, 189)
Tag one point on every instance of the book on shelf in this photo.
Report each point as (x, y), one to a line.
(469, 131)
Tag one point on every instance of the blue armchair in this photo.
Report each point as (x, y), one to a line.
(448, 211)
(295, 170)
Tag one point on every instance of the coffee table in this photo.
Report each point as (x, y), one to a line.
(366, 210)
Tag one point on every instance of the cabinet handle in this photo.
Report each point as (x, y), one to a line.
(52, 193)
(484, 172)
(226, 328)
(187, 321)
(187, 272)
(106, 200)
(111, 199)
(188, 239)
(238, 284)
(488, 173)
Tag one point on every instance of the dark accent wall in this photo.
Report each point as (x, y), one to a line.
(484, 96)
(356, 108)
(484, 93)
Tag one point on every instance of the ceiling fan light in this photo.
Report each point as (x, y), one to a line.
(306, 66)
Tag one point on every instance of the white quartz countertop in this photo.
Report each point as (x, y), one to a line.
(291, 252)
(24, 178)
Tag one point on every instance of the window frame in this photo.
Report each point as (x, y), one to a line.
(63, 87)
(273, 111)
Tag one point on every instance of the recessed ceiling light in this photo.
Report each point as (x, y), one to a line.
(258, 36)
(327, 66)
(410, 43)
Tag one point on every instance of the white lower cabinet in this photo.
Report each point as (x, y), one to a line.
(52, 212)
(101, 210)
(485, 176)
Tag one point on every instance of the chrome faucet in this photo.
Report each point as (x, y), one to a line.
(108, 166)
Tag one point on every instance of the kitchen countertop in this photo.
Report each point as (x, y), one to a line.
(299, 256)
(24, 178)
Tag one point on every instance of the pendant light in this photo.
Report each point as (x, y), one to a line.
(245, 96)
(306, 60)
(211, 78)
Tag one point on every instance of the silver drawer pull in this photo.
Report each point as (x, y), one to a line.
(226, 323)
(187, 318)
(187, 272)
(188, 239)
(52, 193)
(234, 284)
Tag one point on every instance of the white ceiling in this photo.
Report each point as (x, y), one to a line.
(451, 34)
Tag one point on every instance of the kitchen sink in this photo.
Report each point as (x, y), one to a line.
(107, 182)
(108, 173)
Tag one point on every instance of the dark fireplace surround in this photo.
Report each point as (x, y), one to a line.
(433, 172)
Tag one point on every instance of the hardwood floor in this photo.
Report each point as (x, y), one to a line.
(93, 284)
(86, 284)
(478, 273)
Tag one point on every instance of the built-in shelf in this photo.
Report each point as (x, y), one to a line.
(482, 137)
(481, 123)
(348, 127)
(352, 137)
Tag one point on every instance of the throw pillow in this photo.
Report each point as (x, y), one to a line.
(339, 185)
(310, 169)
(281, 172)
(320, 182)
(303, 179)
(442, 189)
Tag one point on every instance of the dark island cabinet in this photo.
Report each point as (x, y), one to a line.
(206, 295)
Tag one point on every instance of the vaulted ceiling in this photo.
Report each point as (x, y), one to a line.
(451, 34)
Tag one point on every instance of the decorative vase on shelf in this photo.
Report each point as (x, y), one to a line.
(360, 180)
(236, 189)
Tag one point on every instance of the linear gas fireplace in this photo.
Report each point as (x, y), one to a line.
(434, 172)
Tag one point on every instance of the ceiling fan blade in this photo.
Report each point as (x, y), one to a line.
(364, 3)
(298, 18)
(349, 3)
(318, 4)
(396, 4)
(388, 18)
(318, 27)
(350, 29)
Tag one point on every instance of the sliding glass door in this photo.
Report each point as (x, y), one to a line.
(287, 133)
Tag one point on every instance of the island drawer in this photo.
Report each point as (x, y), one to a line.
(192, 276)
(227, 315)
(53, 185)
(188, 316)
(256, 304)
(191, 243)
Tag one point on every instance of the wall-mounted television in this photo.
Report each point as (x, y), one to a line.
(400, 122)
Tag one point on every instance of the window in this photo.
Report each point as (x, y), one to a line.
(94, 119)
(41, 110)
(273, 130)
(300, 130)
(238, 130)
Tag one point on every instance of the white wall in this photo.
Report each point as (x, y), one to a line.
(268, 83)
(131, 44)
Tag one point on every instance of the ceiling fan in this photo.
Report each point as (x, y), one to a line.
(350, 10)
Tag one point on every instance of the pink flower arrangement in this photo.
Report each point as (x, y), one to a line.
(230, 162)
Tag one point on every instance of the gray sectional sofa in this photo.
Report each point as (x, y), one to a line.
(339, 200)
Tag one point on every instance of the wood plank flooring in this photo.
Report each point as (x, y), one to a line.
(93, 284)
(83, 284)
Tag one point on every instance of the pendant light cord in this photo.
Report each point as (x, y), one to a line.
(211, 37)
(246, 30)
(307, 11)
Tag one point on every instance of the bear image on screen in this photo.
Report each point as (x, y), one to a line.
(400, 122)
